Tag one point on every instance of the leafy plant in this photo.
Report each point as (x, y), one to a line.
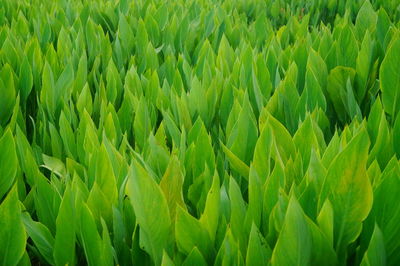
(199, 132)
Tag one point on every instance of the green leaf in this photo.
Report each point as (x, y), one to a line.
(390, 78)
(316, 172)
(99, 204)
(146, 195)
(157, 155)
(283, 102)
(90, 237)
(376, 254)
(366, 19)
(322, 251)
(25, 79)
(238, 215)
(307, 138)
(317, 68)
(385, 196)
(85, 100)
(166, 260)
(47, 202)
(229, 253)
(121, 235)
(255, 198)
(171, 185)
(55, 165)
(352, 108)
(396, 132)
(258, 251)
(64, 245)
(8, 94)
(325, 220)
(114, 83)
(67, 136)
(25, 260)
(294, 245)
(81, 75)
(337, 81)
(48, 94)
(190, 233)
(315, 84)
(197, 192)
(12, 231)
(196, 100)
(194, 258)
(382, 25)
(172, 128)
(236, 164)
(210, 217)
(364, 66)
(104, 176)
(41, 237)
(262, 154)
(350, 191)
(271, 193)
(348, 48)
(56, 142)
(107, 249)
(10, 54)
(243, 136)
(142, 123)
(161, 16)
(284, 146)
(8, 162)
(200, 138)
(382, 150)
(262, 73)
(125, 34)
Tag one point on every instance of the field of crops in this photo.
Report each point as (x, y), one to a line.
(199, 132)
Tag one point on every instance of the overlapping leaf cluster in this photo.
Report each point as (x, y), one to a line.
(199, 132)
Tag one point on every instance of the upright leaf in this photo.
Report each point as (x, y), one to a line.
(258, 251)
(8, 162)
(64, 245)
(210, 217)
(147, 196)
(294, 244)
(41, 237)
(350, 191)
(90, 237)
(376, 254)
(244, 132)
(171, 185)
(190, 233)
(8, 94)
(390, 79)
(12, 231)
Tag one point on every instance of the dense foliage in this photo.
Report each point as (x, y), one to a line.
(199, 132)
